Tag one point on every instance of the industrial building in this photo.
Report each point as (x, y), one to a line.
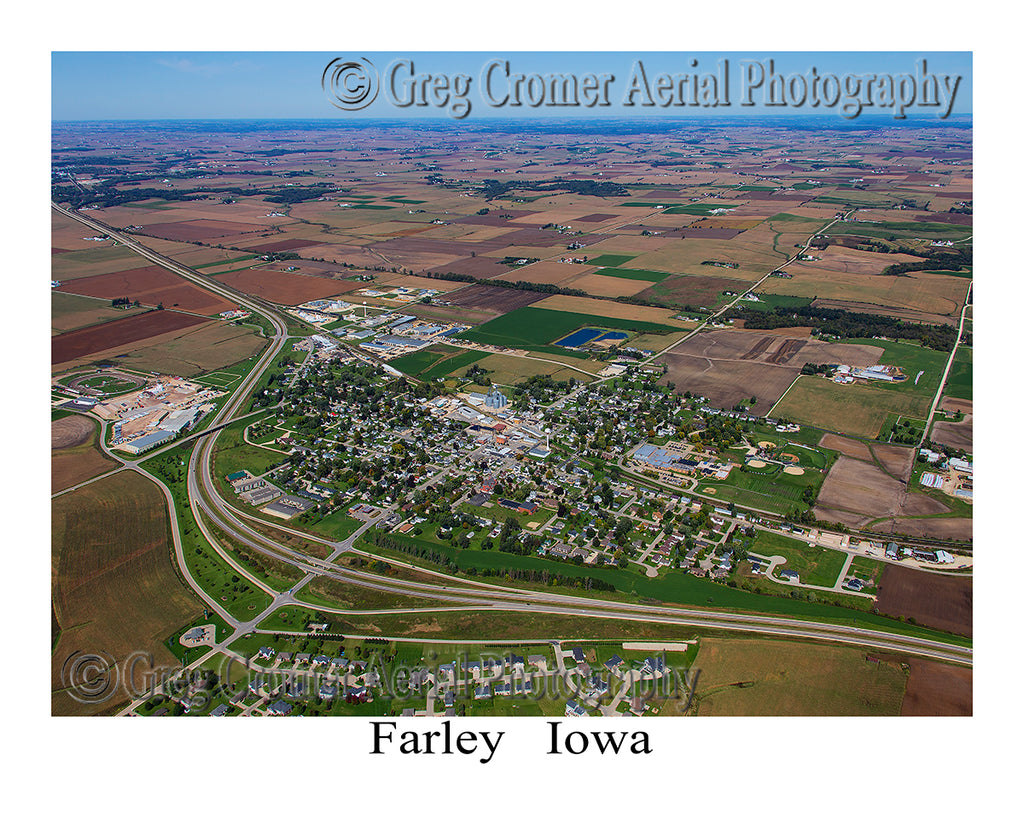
(148, 442)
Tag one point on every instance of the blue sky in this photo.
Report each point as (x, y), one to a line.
(272, 85)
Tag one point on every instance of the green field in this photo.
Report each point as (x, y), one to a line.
(534, 328)
(639, 275)
(437, 361)
(960, 383)
(610, 260)
(770, 489)
(853, 409)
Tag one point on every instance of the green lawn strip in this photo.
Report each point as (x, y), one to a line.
(216, 577)
(231, 454)
(673, 587)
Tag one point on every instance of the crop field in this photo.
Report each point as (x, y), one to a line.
(919, 292)
(88, 341)
(203, 348)
(534, 328)
(751, 677)
(75, 455)
(938, 690)
(93, 261)
(725, 384)
(71, 312)
(151, 286)
(511, 369)
(615, 310)
(960, 383)
(876, 310)
(957, 434)
(199, 230)
(851, 409)
(492, 299)
(931, 599)
(282, 288)
(115, 588)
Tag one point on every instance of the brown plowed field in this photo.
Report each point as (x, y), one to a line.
(935, 600)
(283, 288)
(70, 431)
(198, 230)
(726, 383)
(498, 299)
(152, 286)
(483, 267)
(283, 244)
(707, 233)
(957, 434)
(938, 690)
(90, 340)
(917, 503)
(846, 446)
(898, 461)
(860, 487)
(946, 528)
(595, 217)
(700, 291)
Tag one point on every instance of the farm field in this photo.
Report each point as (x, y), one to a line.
(71, 312)
(938, 690)
(115, 589)
(200, 349)
(535, 328)
(152, 286)
(750, 677)
(281, 287)
(937, 600)
(510, 369)
(125, 332)
(851, 409)
(75, 455)
(957, 434)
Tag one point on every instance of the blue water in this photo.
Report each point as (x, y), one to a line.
(588, 334)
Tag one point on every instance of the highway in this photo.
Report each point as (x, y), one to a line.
(450, 593)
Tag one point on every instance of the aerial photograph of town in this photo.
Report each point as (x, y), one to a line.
(457, 416)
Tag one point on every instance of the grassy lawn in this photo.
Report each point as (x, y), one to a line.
(816, 565)
(769, 489)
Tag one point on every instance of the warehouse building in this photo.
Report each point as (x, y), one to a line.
(148, 442)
